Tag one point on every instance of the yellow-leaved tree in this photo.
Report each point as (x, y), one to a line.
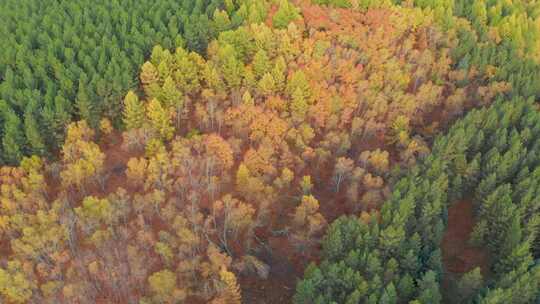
(230, 294)
(82, 159)
(133, 115)
(160, 119)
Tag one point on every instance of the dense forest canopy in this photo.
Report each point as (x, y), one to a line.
(396, 257)
(244, 151)
(71, 60)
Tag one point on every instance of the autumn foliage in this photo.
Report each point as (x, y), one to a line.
(266, 140)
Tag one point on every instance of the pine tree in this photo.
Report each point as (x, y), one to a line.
(469, 284)
(406, 288)
(261, 63)
(13, 140)
(299, 106)
(389, 295)
(286, 13)
(150, 79)
(133, 111)
(32, 131)
(429, 289)
(85, 108)
(278, 73)
(197, 32)
(170, 95)
(232, 68)
(299, 82)
(160, 119)
(267, 84)
(221, 21)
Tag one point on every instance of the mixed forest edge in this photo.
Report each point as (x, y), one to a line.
(244, 151)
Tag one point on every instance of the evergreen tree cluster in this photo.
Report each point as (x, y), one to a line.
(395, 257)
(70, 60)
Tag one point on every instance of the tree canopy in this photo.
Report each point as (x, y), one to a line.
(86, 55)
(224, 151)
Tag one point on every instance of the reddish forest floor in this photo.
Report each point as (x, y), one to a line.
(286, 264)
(458, 255)
(115, 162)
(281, 282)
(286, 267)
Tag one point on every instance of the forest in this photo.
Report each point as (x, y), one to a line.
(270, 151)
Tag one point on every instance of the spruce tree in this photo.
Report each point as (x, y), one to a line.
(13, 140)
(32, 131)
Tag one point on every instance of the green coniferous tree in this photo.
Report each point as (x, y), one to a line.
(32, 131)
(85, 108)
(13, 140)
(261, 63)
(286, 13)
